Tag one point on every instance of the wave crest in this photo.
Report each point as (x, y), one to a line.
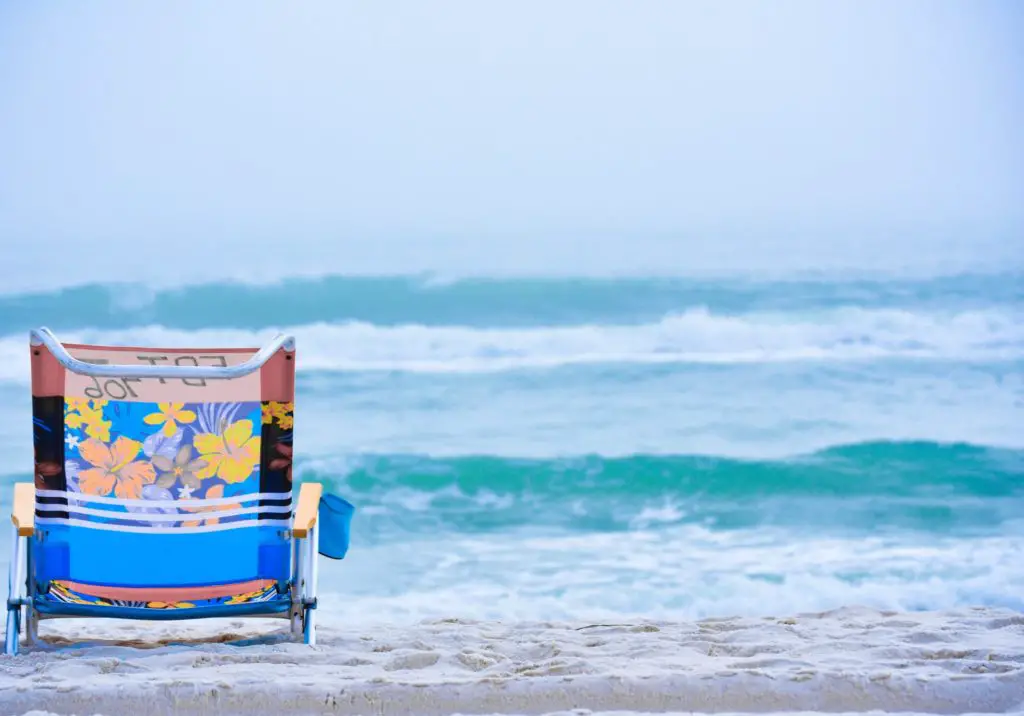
(919, 485)
(694, 336)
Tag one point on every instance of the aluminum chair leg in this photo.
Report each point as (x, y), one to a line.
(13, 627)
(13, 595)
(31, 615)
(313, 573)
(295, 616)
(305, 575)
(31, 626)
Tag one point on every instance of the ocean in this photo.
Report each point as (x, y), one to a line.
(546, 447)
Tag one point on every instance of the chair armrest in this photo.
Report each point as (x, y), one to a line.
(307, 509)
(23, 511)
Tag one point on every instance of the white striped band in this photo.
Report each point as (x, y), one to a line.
(84, 498)
(163, 517)
(280, 524)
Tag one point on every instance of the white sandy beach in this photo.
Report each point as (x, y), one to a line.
(848, 660)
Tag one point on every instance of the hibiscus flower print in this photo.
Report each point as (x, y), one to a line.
(182, 467)
(46, 470)
(114, 468)
(284, 462)
(169, 415)
(232, 455)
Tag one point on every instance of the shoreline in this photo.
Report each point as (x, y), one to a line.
(850, 659)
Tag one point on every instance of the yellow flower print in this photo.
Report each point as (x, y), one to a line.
(169, 605)
(231, 456)
(246, 597)
(72, 405)
(92, 419)
(114, 468)
(170, 414)
(281, 412)
(65, 594)
(99, 430)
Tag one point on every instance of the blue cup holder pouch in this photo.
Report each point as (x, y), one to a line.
(334, 520)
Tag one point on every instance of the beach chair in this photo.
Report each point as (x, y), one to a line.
(163, 489)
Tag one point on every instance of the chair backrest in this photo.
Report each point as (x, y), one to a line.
(161, 481)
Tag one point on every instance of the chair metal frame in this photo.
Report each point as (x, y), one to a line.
(303, 532)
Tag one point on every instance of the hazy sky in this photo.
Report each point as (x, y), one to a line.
(343, 121)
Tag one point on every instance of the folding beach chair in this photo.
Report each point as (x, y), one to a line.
(163, 489)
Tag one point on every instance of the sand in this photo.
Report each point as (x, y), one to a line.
(848, 660)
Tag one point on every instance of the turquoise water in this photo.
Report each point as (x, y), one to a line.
(487, 302)
(573, 447)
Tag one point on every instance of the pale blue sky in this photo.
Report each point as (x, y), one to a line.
(338, 123)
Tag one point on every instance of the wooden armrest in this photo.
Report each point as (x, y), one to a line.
(307, 509)
(23, 512)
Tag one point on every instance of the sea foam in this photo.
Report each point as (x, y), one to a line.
(696, 336)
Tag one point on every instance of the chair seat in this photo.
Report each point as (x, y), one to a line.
(223, 595)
